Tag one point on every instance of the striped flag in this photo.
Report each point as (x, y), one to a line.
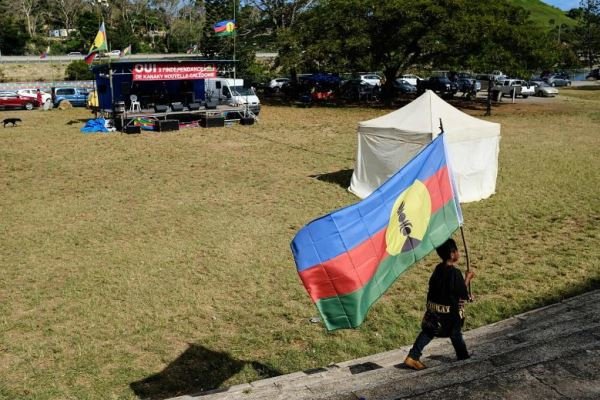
(100, 44)
(350, 257)
(126, 50)
(225, 28)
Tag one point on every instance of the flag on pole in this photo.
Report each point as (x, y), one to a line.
(225, 28)
(100, 44)
(126, 50)
(45, 53)
(350, 257)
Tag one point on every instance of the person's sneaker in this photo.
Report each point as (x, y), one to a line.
(414, 364)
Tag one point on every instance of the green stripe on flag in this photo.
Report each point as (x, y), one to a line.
(349, 311)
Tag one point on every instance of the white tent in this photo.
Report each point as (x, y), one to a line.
(387, 143)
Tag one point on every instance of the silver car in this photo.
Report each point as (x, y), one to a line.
(542, 89)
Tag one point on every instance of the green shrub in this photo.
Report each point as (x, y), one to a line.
(77, 71)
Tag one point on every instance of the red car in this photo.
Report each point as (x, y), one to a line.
(13, 100)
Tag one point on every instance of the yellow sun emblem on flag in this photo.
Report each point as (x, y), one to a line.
(230, 27)
(409, 219)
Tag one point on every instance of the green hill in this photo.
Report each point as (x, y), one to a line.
(542, 13)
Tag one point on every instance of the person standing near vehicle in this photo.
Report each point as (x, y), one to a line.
(445, 305)
(38, 97)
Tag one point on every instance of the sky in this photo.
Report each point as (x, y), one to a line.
(563, 4)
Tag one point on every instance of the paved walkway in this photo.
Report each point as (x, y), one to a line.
(549, 353)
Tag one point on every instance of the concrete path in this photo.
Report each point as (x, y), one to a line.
(549, 353)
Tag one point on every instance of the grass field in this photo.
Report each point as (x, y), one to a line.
(156, 265)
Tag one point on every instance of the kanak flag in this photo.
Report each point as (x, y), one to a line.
(350, 257)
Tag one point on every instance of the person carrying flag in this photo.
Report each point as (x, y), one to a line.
(444, 316)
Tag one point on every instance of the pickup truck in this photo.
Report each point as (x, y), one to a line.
(508, 87)
(75, 96)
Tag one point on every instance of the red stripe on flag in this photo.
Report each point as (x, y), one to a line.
(439, 189)
(350, 271)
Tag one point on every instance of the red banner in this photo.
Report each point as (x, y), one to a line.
(172, 71)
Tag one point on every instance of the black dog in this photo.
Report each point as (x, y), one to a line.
(12, 121)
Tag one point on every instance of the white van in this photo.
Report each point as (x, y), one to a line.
(232, 92)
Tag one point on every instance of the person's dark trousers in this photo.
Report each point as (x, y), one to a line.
(458, 342)
(417, 350)
(456, 338)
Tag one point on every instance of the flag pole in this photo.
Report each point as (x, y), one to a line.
(462, 233)
(234, 35)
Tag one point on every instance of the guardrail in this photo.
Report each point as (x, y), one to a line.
(67, 58)
(46, 86)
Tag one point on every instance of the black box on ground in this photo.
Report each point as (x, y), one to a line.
(133, 129)
(212, 122)
(246, 121)
(166, 125)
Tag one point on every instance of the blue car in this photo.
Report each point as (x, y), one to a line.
(76, 96)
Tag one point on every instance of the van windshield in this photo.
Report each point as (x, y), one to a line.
(242, 91)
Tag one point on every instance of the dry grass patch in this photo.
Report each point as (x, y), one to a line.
(131, 255)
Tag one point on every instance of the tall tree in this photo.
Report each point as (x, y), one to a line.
(588, 30)
(68, 11)
(394, 35)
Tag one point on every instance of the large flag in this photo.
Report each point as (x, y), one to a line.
(225, 28)
(100, 44)
(349, 258)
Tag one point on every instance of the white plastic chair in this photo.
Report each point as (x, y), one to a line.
(135, 104)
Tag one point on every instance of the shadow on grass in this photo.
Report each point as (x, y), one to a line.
(341, 178)
(79, 121)
(196, 370)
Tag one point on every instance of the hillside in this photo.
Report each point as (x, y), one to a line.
(542, 13)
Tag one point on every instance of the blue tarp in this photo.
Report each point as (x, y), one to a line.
(95, 125)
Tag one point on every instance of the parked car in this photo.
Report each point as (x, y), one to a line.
(542, 89)
(468, 85)
(594, 74)
(371, 79)
(14, 100)
(411, 78)
(357, 90)
(439, 84)
(32, 93)
(402, 86)
(508, 87)
(75, 96)
(557, 80)
(75, 53)
(277, 83)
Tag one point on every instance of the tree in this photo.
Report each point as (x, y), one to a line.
(68, 11)
(13, 35)
(588, 30)
(394, 35)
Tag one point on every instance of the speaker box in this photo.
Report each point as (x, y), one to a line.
(246, 121)
(194, 106)
(213, 122)
(166, 125)
(133, 129)
(177, 107)
(211, 104)
(160, 108)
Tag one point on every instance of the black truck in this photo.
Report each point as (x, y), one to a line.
(439, 84)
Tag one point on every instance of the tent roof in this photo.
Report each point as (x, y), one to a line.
(422, 116)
